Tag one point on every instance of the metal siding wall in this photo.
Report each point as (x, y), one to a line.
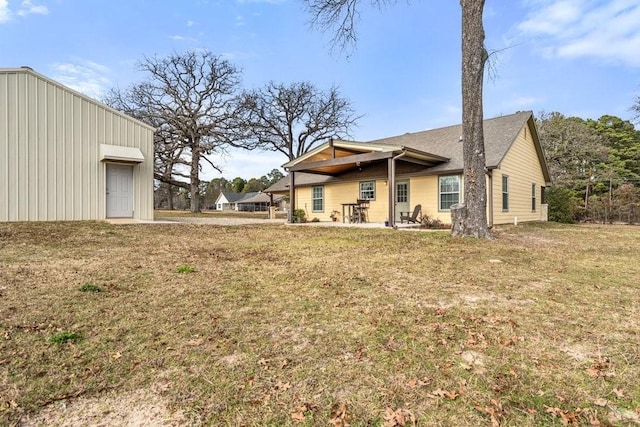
(4, 147)
(49, 152)
(22, 150)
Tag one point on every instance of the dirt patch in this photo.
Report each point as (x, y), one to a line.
(139, 408)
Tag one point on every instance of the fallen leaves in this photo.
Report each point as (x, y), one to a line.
(339, 416)
(495, 412)
(399, 418)
(439, 393)
(599, 369)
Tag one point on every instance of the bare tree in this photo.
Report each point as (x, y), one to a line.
(343, 14)
(191, 99)
(635, 108)
(293, 118)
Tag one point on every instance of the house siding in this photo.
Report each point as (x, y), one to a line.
(50, 140)
(337, 193)
(522, 167)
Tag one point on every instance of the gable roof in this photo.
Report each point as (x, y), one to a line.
(499, 135)
(230, 196)
(443, 146)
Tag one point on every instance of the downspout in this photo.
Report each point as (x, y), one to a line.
(392, 188)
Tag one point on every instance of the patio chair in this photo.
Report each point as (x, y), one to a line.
(414, 216)
(361, 209)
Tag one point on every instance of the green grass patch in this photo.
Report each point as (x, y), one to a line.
(90, 287)
(185, 268)
(65, 337)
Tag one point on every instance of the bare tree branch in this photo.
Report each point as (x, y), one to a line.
(292, 119)
(191, 98)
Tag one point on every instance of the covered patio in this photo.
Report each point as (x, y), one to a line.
(344, 161)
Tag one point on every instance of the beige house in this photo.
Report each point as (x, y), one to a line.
(64, 156)
(423, 168)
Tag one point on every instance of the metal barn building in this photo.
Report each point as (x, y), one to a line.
(64, 156)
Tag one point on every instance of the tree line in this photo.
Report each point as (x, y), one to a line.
(594, 167)
(198, 107)
(165, 198)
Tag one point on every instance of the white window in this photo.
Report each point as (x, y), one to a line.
(505, 193)
(317, 198)
(449, 191)
(367, 190)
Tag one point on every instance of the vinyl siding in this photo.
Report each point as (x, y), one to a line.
(522, 167)
(344, 192)
(49, 152)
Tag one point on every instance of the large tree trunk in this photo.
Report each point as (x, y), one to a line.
(195, 177)
(474, 57)
(170, 195)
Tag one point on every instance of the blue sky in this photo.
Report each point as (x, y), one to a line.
(578, 57)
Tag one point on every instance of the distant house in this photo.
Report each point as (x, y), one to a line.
(423, 168)
(227, 200)
(259, 202)
(64, 156)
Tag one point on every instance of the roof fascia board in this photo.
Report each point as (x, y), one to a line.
(306, 155)
(339, 161)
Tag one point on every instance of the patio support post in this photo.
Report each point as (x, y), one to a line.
(392, 188)
(391, 180)
(292, 196)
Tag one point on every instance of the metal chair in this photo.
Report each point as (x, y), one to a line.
(362, 208)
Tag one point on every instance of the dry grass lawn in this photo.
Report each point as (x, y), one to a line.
(294, 325)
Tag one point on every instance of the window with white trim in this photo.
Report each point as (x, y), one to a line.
(448, 191)
(367, 190)
(505, 193)
(317, 198)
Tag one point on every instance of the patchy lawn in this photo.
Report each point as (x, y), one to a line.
(286, 325)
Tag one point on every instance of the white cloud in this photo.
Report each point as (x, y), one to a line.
(605, 30)
(190, 23)
(240, 21)
(86, 77)
(5, 13)
(28, 8)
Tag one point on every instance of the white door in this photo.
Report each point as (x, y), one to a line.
(402, 198)
(119, 191)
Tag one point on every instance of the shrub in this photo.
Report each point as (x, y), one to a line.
(563, 205)
(299, 215)
(428, 222)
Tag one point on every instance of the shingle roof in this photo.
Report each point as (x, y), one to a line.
(499, 135)
(302, 178)
(233, 197)
(260, 198)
